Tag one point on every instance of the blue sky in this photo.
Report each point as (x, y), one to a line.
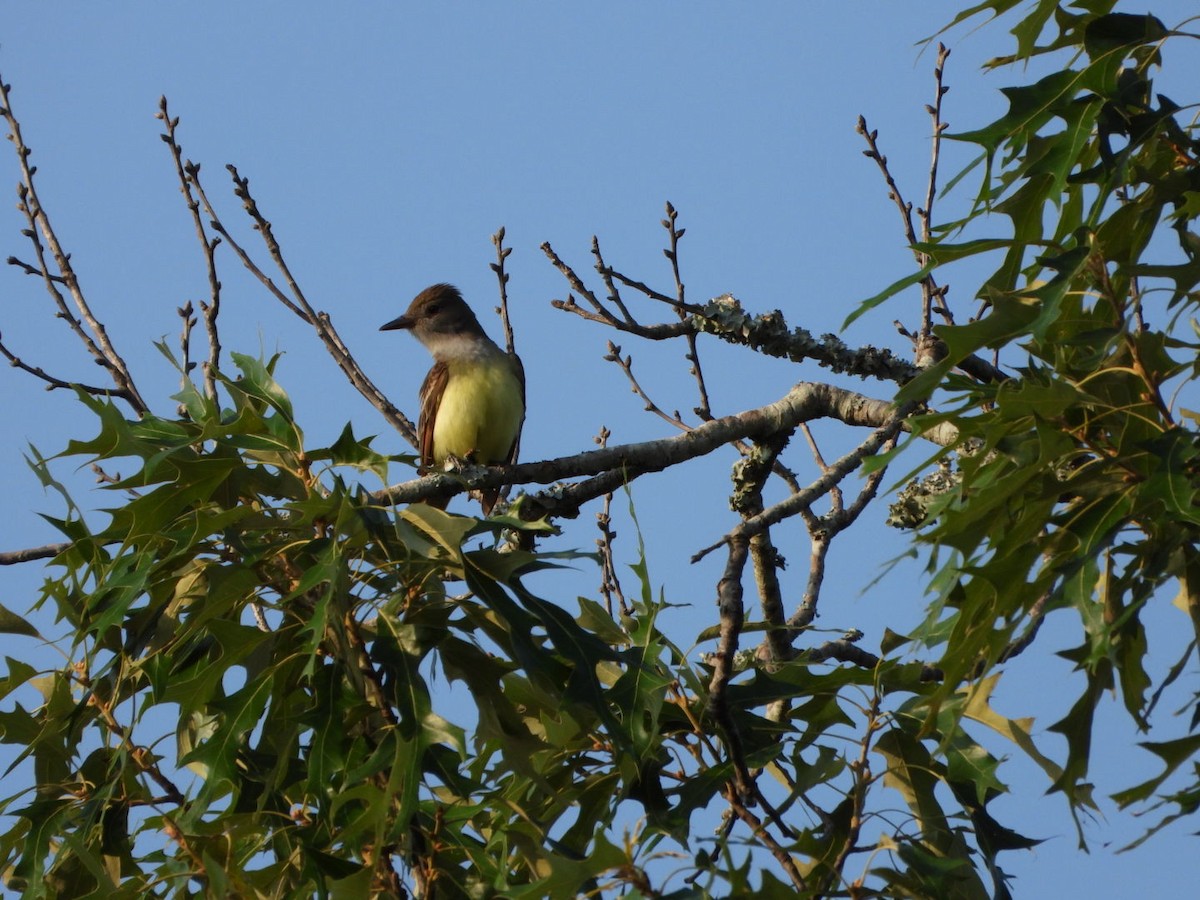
(387, 142)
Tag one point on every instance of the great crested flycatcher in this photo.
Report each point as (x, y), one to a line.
(473, 399)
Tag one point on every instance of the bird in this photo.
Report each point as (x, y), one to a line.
(473, 399)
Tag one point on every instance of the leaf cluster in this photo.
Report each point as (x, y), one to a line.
(1078, 487)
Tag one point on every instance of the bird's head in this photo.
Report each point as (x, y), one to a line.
(438, 317)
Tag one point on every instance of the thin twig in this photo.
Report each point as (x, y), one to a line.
(704, 410)
(188, 174)
(860, 769)
(53, 383)
(606, 275)
(185, 344)
(818, 488)
(930, 291)
(625, 363)
(297, 302)
(502, 254)
(601, 313)
(94, 337)
(139, 755)
(781, 853)
(610, 583)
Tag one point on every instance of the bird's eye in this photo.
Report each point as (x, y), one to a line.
(433, 308)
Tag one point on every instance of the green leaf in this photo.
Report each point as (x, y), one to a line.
(891, 290)
(11, 623)
(1019, 731)
(1173, 754)
(1120, 31)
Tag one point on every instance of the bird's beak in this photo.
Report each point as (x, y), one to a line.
(400, 323)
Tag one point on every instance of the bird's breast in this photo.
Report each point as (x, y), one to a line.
(480, 412)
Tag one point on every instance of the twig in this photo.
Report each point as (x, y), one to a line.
(768, 334)
(781, 854)
(932, 296)
(807, 610)
(610, 583)
(320, 321)
(372, 684)
(930, 291)
(791, 505)
(189, 174)
(704, 410)
(606, 275)
(502, 254)
(872, 152)
(185, 344)
(860, 769)
(94, 337)
(846, 651)
(820, 534)
(625, 363)
(601, 313)
(928, 284)
(1019, 645)
(835, 493)
(139, 755)
(53, 383)
(33, 270)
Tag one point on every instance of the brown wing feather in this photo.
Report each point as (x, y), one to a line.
(512, 454)
(432, 389)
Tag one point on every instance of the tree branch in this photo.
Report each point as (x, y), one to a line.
(49, 551)
(94, 337)
(609, 467)
(188, 174)
(319, 321)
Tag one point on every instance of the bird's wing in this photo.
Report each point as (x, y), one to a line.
(517, 364)
(432, 389)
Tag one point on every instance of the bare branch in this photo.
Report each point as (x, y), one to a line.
(53, 383)
(606, 275)
(929, 290)
(860, 769)
(612, 466)
(704, 410)
(610, 583)
(733, 615)
(750, 474)
(793, 504)
(781, 853)
(94, 337)
(188, 174)
(600, 314)
(502, 254)
(625, 363)
(297, 302)
(185, 345)
(49, 551)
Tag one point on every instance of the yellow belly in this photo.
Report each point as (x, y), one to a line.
(480, 413)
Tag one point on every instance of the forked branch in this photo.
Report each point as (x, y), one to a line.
(61, 274)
